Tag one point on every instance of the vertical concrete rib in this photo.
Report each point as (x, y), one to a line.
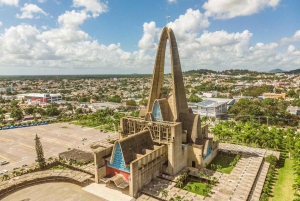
(158, 72)
(180, 101)
(179, 97)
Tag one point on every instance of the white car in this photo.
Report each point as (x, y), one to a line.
(4, 162)
(4, 171)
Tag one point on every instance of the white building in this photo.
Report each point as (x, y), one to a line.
(39, 97)
(212, 108)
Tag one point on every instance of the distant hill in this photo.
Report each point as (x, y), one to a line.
(277, 70)
(235, 72)
(296, 71)
(200, 71)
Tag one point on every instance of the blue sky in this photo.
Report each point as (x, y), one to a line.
(118, 36)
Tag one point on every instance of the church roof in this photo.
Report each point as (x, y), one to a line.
(136, 144)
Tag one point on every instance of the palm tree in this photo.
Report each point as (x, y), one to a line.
(5, 177)
(179, 178)
(215, 180)
(188, 188)
(207, 177)
(180, 184)
(178, 198)
(200, 175)
(185, 176)
(15, 173)
(164, 193)
(196, 188)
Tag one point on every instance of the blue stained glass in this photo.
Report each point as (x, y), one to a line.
(118, 162)
(156, 112)
(208, 151)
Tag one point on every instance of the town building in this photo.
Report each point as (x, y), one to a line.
(293, 110)
(273, 95)
(211, 108)
(40, 97)
(165, 138)
(6, 89)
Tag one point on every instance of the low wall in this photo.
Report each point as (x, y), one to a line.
(13, 188)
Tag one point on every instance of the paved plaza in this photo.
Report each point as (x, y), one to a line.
(53, 192)
(18, 146)
(110, 192)
(245, 182)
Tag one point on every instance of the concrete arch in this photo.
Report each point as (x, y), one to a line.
(178, 103)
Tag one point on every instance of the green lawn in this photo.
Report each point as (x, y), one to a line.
(224, 161)
(283, 190)
(192, 189)
(91, 124)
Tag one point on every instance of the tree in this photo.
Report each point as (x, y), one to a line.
(5, 177)
(180, 184)
(194, 99)
(189, 188)
(130, 103)
(164, 193)
(178, 198)
(52, 111)
(39, 152)
(143, 102)
(29, 110)
(115, 98)
(16, 113)
(79, 111)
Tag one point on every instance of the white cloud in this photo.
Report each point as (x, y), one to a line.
(225, 9)
(72, 19)
(172, 1)
(42, 1)
(64, 35)
(188, 25)
(95, 6)
(9, 2)
(294, 38)
(291, 48)
(150, 33)
(68, 49)
(0, 23)
(30, 11)
(64, 50)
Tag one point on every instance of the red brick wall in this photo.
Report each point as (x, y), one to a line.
(113, 171)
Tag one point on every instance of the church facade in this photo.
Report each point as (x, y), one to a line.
(166, 136)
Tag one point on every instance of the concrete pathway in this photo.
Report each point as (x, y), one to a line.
(107, 193)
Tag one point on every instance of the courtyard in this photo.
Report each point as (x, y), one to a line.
(53, 191)
(18, 146)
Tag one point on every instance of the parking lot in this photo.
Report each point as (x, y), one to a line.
(18, 145)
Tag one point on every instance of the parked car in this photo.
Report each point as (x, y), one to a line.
(4, 162)
(24, 165)
(5, 171)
